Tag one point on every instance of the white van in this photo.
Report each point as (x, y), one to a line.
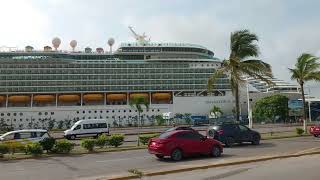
(25, 136)
(85, 128)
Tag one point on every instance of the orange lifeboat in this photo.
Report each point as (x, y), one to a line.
(117, 97)
(69, 98)
(19, 99)
(133, 95)
(93, 97)
(161, 96)
(44, 98)
(2, 99)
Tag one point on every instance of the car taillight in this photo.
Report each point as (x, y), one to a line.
(220, 132)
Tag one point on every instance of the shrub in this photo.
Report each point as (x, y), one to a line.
(160, 121)
(299, 131)
(15, 146)
(102, 140)
(34, 149)
(47, 144)
(63, 146)
(144, 139)
(88, 144)
(4, 149)
(116, 140)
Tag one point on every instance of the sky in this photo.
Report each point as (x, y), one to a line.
(286, 28)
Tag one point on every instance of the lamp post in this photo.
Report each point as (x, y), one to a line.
(248, 103)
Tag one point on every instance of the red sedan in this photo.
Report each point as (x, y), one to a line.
(315, 130)
(180, 143)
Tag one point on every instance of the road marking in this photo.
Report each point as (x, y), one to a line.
(307, 150)
(122, 159)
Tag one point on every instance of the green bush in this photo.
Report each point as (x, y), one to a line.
(144, 139)
(102, 140)
(88, 144)
(116, 140)
(48, 143)
(299, 131)
(34, 149)
(63, 146)
(15, 146)
(4, 149)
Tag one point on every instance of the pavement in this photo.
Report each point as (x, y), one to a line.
(305, 167)
(95, 166)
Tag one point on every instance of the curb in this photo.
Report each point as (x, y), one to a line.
(157, 173)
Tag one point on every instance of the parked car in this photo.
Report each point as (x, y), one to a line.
(230, 133)
(181, 128)
(315, 130)
(86, 128)
(26, 135)
(180, 143)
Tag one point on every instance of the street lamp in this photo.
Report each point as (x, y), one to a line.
(248, 103)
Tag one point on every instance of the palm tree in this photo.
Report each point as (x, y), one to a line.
(307, 68)
(216, 111)
(240, 65)
(137, 102)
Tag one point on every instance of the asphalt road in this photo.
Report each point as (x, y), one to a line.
(93, 166)
(306, 167)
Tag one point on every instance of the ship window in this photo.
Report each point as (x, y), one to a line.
(20, 120)
(113, 111)
(21, 114)
(2, 114)
(158, 110)
(14, 114)
(46, 113)
(77, 112)
(107, 111)
(101, 111)
(83, 112)
(8, 114)
(40, 113)
(89, 111)
(95, 111)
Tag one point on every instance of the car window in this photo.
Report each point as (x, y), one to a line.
(243, 128)
(25, 135)
(165, 135)
(77, 127)
(102, 125)
(34, 134)
(229, 128)
(189, 135)
(171, 129)
(17, 136)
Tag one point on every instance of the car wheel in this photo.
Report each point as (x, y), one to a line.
(315, 135)
(176, 155)
(72, 137)
(256, 140)
(229, 142)
(215, 152)
(159, 156)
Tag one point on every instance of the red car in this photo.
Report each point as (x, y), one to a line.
(180, 143)
(315, 130)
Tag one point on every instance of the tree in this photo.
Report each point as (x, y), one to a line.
(307, 68)
(240, 65)
(272, 108)
(137, 102)
(216, 111)
(187, 117)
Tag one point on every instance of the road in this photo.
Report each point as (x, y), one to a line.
(93, 166)
(306, 167)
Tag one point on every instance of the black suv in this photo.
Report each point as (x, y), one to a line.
(231, 133)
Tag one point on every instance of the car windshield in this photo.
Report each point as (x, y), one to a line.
(171, 129)
(165, 135)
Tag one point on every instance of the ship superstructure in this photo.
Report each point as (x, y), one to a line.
(38, 87)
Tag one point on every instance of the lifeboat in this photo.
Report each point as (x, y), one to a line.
(161, 96)
(19, 99)
(117, 97)
(44, 98)
(2, 99)
(93, 97)
(133, 95)
(69, 98)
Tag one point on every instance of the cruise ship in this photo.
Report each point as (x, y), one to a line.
(50, 87)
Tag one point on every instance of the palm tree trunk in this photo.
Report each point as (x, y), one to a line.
(304, 109)
(138, 128)
(236, 93)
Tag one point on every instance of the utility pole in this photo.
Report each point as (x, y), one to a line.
(248, 103)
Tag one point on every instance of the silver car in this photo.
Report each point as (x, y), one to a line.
(26, 135)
